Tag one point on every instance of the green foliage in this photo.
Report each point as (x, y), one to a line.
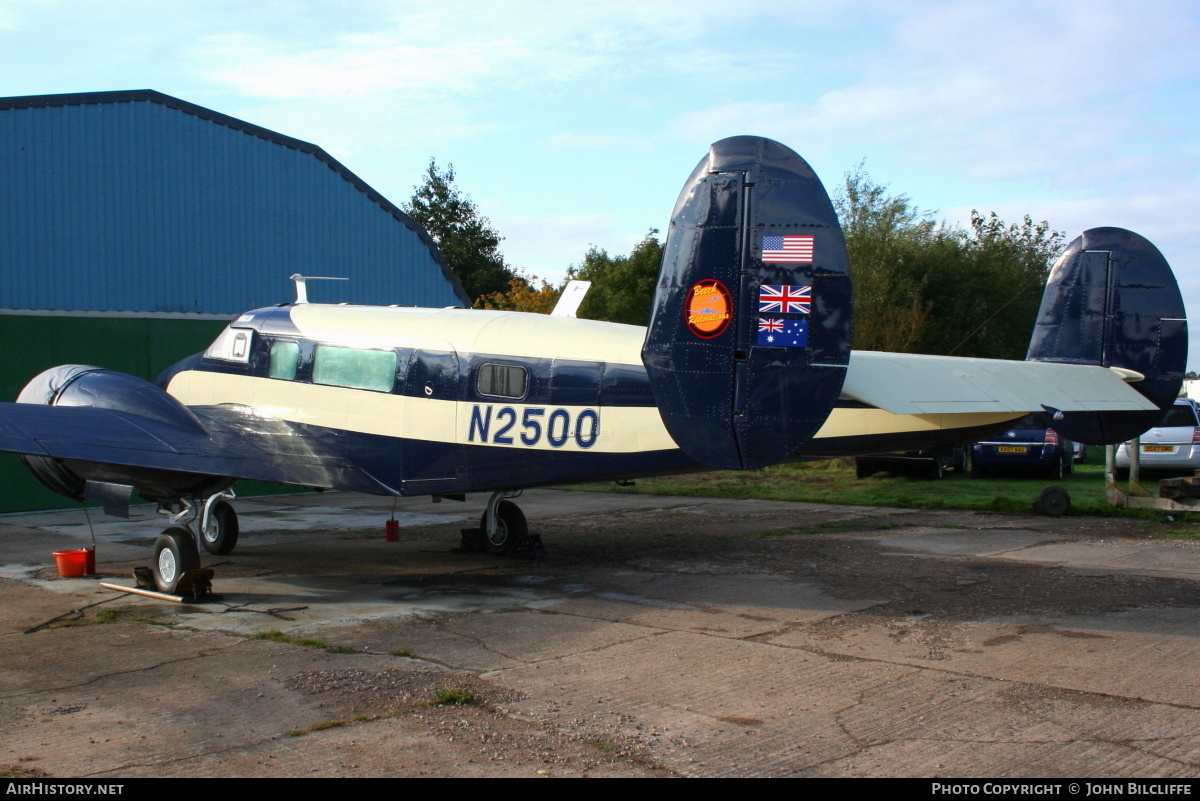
(925, 287)
(467, 240)
(454, 696)
(275, 635)
(622, 286)
(886, 238)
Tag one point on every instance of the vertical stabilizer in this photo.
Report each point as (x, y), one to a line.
(750, 333)
(1112, 300)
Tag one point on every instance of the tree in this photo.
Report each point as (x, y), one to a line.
(988, 299)
(886, 236)
(622, 286)
(522, 296)
(927, 287)
(467, 241)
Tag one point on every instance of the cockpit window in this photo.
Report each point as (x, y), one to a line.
(352, 367)
(284, 358)
(233, 345)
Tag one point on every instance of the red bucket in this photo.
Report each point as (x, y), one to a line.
(72, 564)
(391, 531)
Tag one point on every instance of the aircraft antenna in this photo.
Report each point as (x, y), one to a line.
(302, 290)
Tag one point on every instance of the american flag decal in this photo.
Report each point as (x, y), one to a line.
(784, 299)
(788, 249)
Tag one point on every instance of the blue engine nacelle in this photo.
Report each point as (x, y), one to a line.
(96, 387)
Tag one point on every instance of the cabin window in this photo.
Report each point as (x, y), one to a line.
(284, 358)
(233, 345)
(351, 367)
(502, 380)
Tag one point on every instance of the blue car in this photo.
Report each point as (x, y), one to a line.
(1030, 446)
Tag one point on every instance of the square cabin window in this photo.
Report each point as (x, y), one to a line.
(355, 368)
(284, 358)
(502, 380)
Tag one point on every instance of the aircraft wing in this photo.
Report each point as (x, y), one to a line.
(906, 383)
(235, 443)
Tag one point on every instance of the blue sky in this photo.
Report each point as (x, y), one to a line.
(573, 124)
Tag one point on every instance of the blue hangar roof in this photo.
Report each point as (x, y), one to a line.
(140, 202)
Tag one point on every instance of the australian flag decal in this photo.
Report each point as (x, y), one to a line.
(783, 333)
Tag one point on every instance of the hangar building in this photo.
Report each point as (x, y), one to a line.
(134, 225)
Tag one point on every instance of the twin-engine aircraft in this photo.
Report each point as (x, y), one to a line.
(746, 362)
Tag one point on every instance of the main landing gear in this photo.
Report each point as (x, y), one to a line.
(176, 552)
(502, 528)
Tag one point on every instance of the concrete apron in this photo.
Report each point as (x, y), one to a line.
(660, 635)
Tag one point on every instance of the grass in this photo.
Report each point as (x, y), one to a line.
(603, 746)
(834, 482)
(447, 696)
(278, 636)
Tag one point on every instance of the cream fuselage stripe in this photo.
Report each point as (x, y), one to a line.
(502, 424)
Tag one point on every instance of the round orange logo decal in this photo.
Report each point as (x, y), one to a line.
(708, 308)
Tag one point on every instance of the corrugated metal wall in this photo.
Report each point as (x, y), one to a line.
(134, 201)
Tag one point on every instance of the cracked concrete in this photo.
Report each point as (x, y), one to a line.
(659, 636)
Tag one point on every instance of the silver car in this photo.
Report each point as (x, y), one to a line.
(1174, 444)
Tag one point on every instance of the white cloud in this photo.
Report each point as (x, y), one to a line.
(547, 246)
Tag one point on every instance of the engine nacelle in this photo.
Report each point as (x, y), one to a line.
(84, 385)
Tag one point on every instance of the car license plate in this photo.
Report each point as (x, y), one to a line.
(1011, 449)
(1157, 448)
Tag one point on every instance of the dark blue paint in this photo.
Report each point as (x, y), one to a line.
(1113, 301)
(727, 400)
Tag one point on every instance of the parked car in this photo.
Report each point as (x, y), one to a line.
(1174, 444)
(932, 463)
(1029, 446)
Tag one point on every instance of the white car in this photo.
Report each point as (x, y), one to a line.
(1174, 444)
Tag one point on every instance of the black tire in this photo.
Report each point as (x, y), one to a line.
(1052, 501)
(937, 471)
(1069, 464)
(175, 553)
(220, 536)
(961, 462)
(1056, 469)
(511, 528)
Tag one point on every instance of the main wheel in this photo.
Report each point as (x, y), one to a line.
(511, 528)
(175, 553)
(937, 470)
(221, 534)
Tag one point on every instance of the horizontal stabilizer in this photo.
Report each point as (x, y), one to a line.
(905, 383)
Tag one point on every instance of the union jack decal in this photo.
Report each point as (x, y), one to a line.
(784, 299)
(767, 324)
